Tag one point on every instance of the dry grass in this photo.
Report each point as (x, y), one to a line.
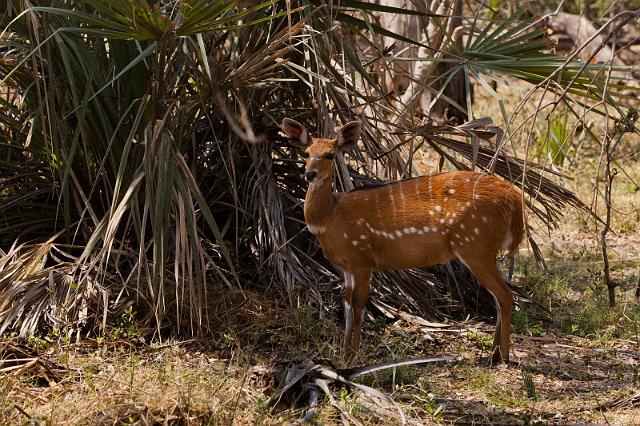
(574, 360)
(554, 377)
(228, 379)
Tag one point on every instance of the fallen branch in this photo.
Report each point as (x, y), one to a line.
(298, 379)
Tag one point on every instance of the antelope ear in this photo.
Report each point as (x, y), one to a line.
(298, 135)
(348, 135)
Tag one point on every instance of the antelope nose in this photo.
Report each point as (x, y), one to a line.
(310, 175)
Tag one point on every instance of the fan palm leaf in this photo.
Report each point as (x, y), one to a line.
(144, 136)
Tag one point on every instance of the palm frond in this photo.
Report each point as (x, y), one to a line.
(143, 136)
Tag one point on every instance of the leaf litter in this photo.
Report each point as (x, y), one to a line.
(282, 378)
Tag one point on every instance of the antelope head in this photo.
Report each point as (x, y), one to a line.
(320, 152)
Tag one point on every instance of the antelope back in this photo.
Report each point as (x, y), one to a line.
(422, 221)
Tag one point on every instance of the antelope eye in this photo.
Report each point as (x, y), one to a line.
(305, 154)
(329, 157)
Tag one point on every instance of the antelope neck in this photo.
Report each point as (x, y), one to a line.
(319, 202)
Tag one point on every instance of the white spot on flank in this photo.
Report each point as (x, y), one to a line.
(363, 237)
(477, 231)
(473, 215)
(467, 180)
(354, 242)
(466, 239)
(457, 235)
(450, 221)
(445, 199)
(360, 221)
(452, 191)
(402, 195)
(345, 235)
(431, 212)
(476, 196)
(468, 203)
(407, 230)
(441, 220)
(413, 230)
(425, 228)
(438, 208)
(399, 233)
(394, 213)
(485, 219)
(462, 226)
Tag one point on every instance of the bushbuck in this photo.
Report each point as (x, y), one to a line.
(412, 223)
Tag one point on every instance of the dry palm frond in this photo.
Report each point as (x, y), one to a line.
(275, 226)
(416, 291)
(17, 359)
(157, 154)
(33, 294)
(310, 379)
(525, 174)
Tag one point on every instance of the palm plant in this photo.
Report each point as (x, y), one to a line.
(142, 161)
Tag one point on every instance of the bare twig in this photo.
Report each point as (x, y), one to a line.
(622, 126)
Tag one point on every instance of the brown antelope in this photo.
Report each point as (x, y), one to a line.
(413, 223)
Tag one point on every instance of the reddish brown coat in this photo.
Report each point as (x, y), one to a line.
(413, 223)
(417, 222)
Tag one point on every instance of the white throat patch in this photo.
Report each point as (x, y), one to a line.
(317, 229)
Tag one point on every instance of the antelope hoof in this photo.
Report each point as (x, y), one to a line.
(348, 351)
(348, 354)
(497, 358)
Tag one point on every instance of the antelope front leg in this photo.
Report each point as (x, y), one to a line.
(348, 313)
(497, 337)
(361, 282)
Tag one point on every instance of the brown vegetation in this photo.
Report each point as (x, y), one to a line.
(155, 265)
